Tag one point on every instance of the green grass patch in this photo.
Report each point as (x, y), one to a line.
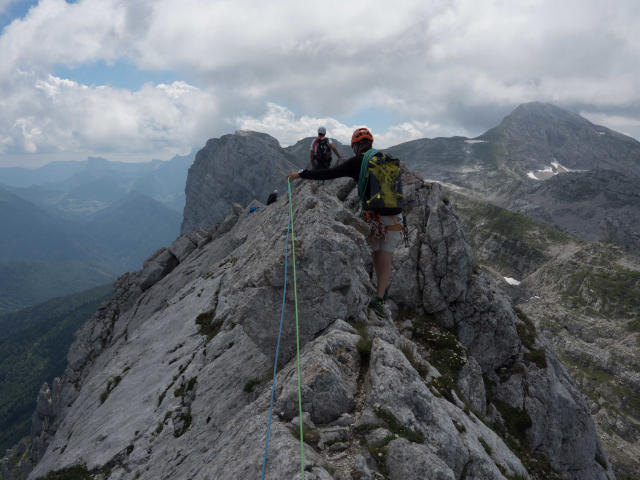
(378, 451)
(485, 445)
(111, 385)
(77, 472)
(602, 461)
(538, 357)
(251, 385)
(365, 428)
(311, 435)
(206, 325)
(620, 397)
(398, 428)
(363, 346)
(526, 329)
(185, 387)
(419, 367)
(445, 352)
(634, 325)
(517, 420)
(444, 385)
(513, 432)
(516, 476)
(186, 419)
(613, 289)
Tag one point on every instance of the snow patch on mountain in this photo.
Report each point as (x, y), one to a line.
(554, 169)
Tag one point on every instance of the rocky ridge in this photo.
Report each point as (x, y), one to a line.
(169, 379)
(584, 298)
(240, 168)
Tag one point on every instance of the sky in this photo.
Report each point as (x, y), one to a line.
(135, 80)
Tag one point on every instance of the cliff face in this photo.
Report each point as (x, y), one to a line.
(233, 168)
(170, 379)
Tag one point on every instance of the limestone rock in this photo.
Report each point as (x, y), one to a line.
(234, 168)
(174, 380)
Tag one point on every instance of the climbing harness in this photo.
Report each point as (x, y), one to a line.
(377, 229)
(275, 366)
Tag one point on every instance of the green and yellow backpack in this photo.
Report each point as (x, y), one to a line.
(380, 183)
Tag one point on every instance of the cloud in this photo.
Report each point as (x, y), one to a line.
(282, 123)
(58, 115)
(436, 68)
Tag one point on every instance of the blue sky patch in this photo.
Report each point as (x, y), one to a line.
(17, 9)
(121, 74)
(377, 119)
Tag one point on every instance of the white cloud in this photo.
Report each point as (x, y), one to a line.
(440, 68)
(282, 123)
(58, 115)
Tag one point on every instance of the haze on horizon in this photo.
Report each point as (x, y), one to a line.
(132, 81)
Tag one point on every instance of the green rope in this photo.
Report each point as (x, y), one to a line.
(295, 296)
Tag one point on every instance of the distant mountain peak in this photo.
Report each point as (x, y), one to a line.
(544, 114)
(257, 135)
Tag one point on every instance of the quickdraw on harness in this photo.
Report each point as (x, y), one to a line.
(377, 229)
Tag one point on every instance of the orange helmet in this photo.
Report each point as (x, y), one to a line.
(361, 134)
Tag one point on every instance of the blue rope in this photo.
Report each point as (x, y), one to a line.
(275, 365)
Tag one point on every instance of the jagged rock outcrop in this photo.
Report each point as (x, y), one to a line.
(233, 168)
(172, 381)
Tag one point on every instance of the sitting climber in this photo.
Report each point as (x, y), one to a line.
(321, 154)
(273, 197)
(380, 189)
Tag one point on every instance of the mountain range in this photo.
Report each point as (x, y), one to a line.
(547, 163)
(85, 187)
(68, 226)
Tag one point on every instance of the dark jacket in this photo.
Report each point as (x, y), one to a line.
(350, 168)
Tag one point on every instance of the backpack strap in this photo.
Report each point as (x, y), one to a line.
(364, 172)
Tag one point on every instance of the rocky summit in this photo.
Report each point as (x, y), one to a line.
(171, 379)
(233, 168)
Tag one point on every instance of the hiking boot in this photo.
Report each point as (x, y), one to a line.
(377, 305)
(386, 293)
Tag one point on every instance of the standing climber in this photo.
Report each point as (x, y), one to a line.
(321, 154)
(380, 189)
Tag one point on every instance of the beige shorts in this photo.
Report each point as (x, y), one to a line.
(393, 237)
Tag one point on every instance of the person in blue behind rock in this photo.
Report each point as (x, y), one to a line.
(380, 189)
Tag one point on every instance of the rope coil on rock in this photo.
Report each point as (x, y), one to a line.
(275, 365)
